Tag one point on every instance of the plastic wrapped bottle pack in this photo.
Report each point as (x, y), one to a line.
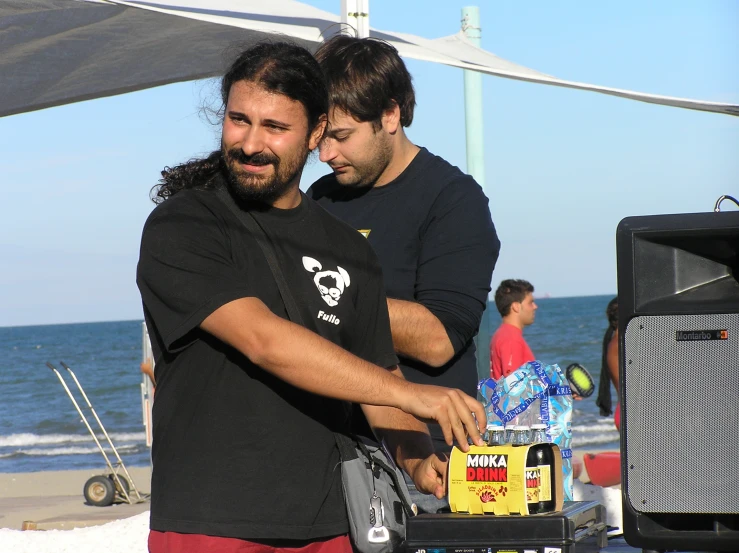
(534, 394)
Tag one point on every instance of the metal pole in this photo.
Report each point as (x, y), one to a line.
(473, 100)
(355, 17)
(476, 159)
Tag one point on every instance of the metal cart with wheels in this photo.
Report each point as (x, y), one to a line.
(116, 483)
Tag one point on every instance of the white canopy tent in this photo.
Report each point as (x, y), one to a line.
(56, 52)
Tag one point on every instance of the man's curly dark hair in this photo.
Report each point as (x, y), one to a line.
(191, 174)
(281, 67)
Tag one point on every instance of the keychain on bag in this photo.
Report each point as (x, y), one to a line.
(378, 533)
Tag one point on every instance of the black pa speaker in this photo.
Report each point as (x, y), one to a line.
(678, 293)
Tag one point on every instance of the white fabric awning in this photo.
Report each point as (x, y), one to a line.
(56, 52)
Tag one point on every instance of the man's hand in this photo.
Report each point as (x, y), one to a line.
(451, 409)
(429, 475)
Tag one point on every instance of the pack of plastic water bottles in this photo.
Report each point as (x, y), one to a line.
(534, 394)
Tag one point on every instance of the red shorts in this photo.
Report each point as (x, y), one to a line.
(172, 542)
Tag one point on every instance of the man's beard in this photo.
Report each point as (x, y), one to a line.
(265, 189)
(367, 174)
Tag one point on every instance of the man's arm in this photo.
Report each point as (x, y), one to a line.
(509, 353)
(418, 333)
(409, 443)
(496, 363)
(314, 364)
(612, 358)
(459, 248)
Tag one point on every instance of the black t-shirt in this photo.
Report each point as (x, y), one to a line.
(432, 232)
(238, 452)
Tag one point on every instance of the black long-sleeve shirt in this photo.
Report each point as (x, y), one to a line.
(437, 245)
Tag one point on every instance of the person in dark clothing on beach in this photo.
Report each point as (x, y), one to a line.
(428, 222)
(609, 365)
(247, 402)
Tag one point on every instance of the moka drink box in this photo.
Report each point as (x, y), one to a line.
(495, 480)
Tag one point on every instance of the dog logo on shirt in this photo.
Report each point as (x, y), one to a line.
(330, 284)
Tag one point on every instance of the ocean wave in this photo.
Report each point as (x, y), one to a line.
(578, 429)
(28, 439)
(611, 438)
(74, 450)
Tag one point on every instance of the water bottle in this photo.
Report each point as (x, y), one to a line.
(521, 435)
(495, 435)
(539, 434)
(509, 429)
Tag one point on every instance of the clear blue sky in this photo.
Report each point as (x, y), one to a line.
(563, 167)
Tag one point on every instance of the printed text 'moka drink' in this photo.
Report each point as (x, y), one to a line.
(495, 480)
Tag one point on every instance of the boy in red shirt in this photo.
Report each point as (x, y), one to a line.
(508, 349)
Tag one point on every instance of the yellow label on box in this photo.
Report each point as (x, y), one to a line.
(484, 479)
(545, 477)
(496, 480)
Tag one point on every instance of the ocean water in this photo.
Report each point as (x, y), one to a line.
(41, 430)
(39, 426)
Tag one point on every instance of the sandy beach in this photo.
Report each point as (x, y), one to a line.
(54, 502)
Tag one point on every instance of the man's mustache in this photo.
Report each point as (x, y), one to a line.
(237, 155)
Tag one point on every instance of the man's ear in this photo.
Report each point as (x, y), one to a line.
(391, 119)
(516, 307)
(317, 133)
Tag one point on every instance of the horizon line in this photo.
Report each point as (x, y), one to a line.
(141, 320)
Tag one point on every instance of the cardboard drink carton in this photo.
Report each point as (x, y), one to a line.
(495, 480)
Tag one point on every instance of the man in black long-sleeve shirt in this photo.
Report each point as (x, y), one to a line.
(428, 222)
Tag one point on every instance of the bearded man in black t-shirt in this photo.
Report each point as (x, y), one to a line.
(428, 223)
(247, 402)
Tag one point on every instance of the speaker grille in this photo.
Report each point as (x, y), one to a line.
(682, 415)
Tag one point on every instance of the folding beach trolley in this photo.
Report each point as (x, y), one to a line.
(105, 489)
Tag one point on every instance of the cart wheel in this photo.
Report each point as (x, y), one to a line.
(99, 491)
(124, 483)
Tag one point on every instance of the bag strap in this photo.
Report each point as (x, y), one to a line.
(345, 444)
(265, 244)
(250, 222)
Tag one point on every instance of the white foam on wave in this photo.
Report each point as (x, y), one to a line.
(28, 439)
(579, 441)
(52, 451)
(601, 432)
(604, 426)
(73, 450)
